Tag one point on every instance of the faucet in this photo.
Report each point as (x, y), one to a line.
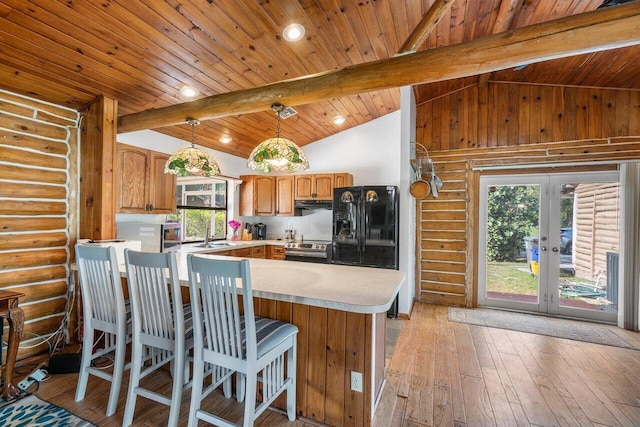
(206, 234)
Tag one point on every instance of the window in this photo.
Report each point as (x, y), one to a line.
(202, 203)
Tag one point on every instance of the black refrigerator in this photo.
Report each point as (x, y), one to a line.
(365, 228)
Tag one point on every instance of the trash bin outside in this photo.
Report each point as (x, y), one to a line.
(534, 254)
(531, 244)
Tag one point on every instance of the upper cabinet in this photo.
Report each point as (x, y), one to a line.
(342, 180)
(141, 184)
(263, 195)
(285, 185)
(314, 187)
(257, 195)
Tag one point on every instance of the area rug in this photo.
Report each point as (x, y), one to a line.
(553, 327)
(33, 411)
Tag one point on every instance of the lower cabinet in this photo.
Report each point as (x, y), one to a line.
(262, 251)
(275, 252)
(258, 252)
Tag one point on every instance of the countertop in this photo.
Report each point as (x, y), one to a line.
(340, 287)
(226, 245)
(354, 289)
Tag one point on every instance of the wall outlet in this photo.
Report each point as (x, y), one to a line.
(356, 381)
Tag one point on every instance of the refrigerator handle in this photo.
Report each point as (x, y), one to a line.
(363, 225)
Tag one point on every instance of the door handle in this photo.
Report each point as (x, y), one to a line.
(544, 248)
(554, 249)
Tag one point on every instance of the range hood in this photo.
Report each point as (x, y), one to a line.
(314, 204)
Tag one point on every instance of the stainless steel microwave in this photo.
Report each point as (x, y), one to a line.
(153, 237)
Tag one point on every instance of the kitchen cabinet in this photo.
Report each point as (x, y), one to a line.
(342, 180)
(267, 195)
(275, 252)
(142, 186)
(242, 252)
(314, 187)
(262, 195)
(320, 186)
(257, 195)
(285, 186)
(258, 252)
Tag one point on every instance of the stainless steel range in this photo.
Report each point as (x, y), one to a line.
(309, 251)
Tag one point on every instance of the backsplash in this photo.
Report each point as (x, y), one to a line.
(313, 224)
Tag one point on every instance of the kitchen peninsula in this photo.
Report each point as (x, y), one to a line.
(341, 315)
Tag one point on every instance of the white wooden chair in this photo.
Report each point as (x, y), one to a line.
(227, 334)
(104, 310)
(162, 330)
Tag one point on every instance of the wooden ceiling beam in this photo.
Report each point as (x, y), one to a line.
(603, 29)
(428, 22)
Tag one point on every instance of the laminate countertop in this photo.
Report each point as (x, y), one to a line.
(354, 289)
(226, 245)
(364, 290)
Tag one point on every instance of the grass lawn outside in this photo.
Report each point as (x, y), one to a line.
(511, 278)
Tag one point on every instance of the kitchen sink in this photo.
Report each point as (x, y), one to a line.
(214, 245)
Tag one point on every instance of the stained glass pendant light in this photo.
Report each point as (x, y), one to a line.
(192, 160)
(278, 154)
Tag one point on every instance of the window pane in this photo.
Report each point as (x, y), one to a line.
(198, 200)
(195, 223)
(221, 195)
(198, 187)
(220, 225)
(179, 194)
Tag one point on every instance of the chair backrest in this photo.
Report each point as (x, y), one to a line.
(215, 287)
(102, 294)
(154, 290)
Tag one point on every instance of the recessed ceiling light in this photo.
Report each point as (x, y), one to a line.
(338, 120)
(225, 139)
(188, 91)
(293, 32)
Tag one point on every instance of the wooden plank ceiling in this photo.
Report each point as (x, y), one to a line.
(142, 52)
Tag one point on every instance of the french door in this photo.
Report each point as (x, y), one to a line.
(549, 243)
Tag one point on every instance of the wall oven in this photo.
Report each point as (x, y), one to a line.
(310, 251)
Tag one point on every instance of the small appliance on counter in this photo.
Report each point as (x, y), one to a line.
(260, 231)
(165, 237)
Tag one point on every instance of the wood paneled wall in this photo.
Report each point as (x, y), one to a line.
(331, 344)
(38, 148)
(508, 114)
(505, 125)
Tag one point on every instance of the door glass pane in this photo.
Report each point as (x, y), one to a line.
(512, 242)
(589, 246)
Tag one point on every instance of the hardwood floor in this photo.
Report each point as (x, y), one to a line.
(453, 374)
(450, 374)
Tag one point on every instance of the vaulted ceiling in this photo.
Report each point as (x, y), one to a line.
(142, 52)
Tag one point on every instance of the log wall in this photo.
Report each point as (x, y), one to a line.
(597, 228)
(507, 126)
(37, 204)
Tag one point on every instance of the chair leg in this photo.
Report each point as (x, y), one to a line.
(251, 381)
(196, 390)
(291, 374)
(118, 368)
(87, 351)
(226, 387)
(240, 385)
(178, 384)
(134, 381)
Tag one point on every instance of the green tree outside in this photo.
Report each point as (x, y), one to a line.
(512, 215)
